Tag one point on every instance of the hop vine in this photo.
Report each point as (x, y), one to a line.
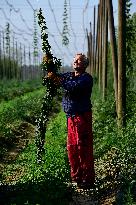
(49, 63)
(35, 40)
(65, 32)
(7, 38)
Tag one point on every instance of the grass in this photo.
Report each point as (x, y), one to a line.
(21, 108)
(41, 184)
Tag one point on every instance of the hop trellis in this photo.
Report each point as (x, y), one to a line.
(52, 64)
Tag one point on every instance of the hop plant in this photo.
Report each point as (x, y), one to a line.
(49, 64)
(65, 32)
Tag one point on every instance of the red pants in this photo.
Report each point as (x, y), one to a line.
(80, 148)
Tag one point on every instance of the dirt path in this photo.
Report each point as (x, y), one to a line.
(82, 197)
(23, 136)
(108, 187)
(94, 197)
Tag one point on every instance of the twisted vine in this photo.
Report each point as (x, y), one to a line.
(49, 64)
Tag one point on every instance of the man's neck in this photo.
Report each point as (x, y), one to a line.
(77, 73)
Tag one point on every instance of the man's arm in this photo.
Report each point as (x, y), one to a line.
(77, 83)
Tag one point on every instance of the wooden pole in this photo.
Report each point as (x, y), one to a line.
(105, 50)
(100, 47)
(91, 48)
(121, 62)
(94, 41)
(4, 61)
(97, 42)
(89, 52)
(1, 68)
(13, 57)
(20, 61)
(24, 73)
(9, 57)
(113, 49)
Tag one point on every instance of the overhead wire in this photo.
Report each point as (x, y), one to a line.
(23, 32)
(83, 23)
(57, 25)
(30, 5)
(60, 33)
(11, 6)
(22, 18)
(9, 20)
(2, 28)
(57, 44)
(54, 18)
(72, 26)
(47, 31)
(19, 12)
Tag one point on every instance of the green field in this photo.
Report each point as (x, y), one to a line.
(23, 181)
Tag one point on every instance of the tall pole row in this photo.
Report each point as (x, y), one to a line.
(99, 48)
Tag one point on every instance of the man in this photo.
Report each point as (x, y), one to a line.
(76, 103)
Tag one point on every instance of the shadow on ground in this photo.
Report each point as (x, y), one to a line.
(49, 190)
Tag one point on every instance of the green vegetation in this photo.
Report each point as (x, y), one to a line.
(114, 149)
(13, 88)
(114, 153)
(13, 113)
(37, 184)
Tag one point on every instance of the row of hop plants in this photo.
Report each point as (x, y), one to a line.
(9, 89)
(11, 69)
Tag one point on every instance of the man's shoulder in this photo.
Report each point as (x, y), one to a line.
(88, 75)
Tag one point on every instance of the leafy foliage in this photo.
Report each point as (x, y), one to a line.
(114, 150)
(50, 63)
(34, 183)
(13, 113)
(131, 41)
(14, 88)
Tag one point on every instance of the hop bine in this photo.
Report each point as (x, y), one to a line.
(49, 64)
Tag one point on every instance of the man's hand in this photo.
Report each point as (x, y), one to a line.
(56, 79)
(51, 75)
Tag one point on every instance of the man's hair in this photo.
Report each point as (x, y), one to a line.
(85, 59)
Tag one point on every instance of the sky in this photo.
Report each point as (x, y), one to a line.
(19, 13)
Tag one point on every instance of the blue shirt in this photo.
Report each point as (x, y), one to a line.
(77, 93)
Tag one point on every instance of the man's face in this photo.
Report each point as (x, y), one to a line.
(78, 63)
